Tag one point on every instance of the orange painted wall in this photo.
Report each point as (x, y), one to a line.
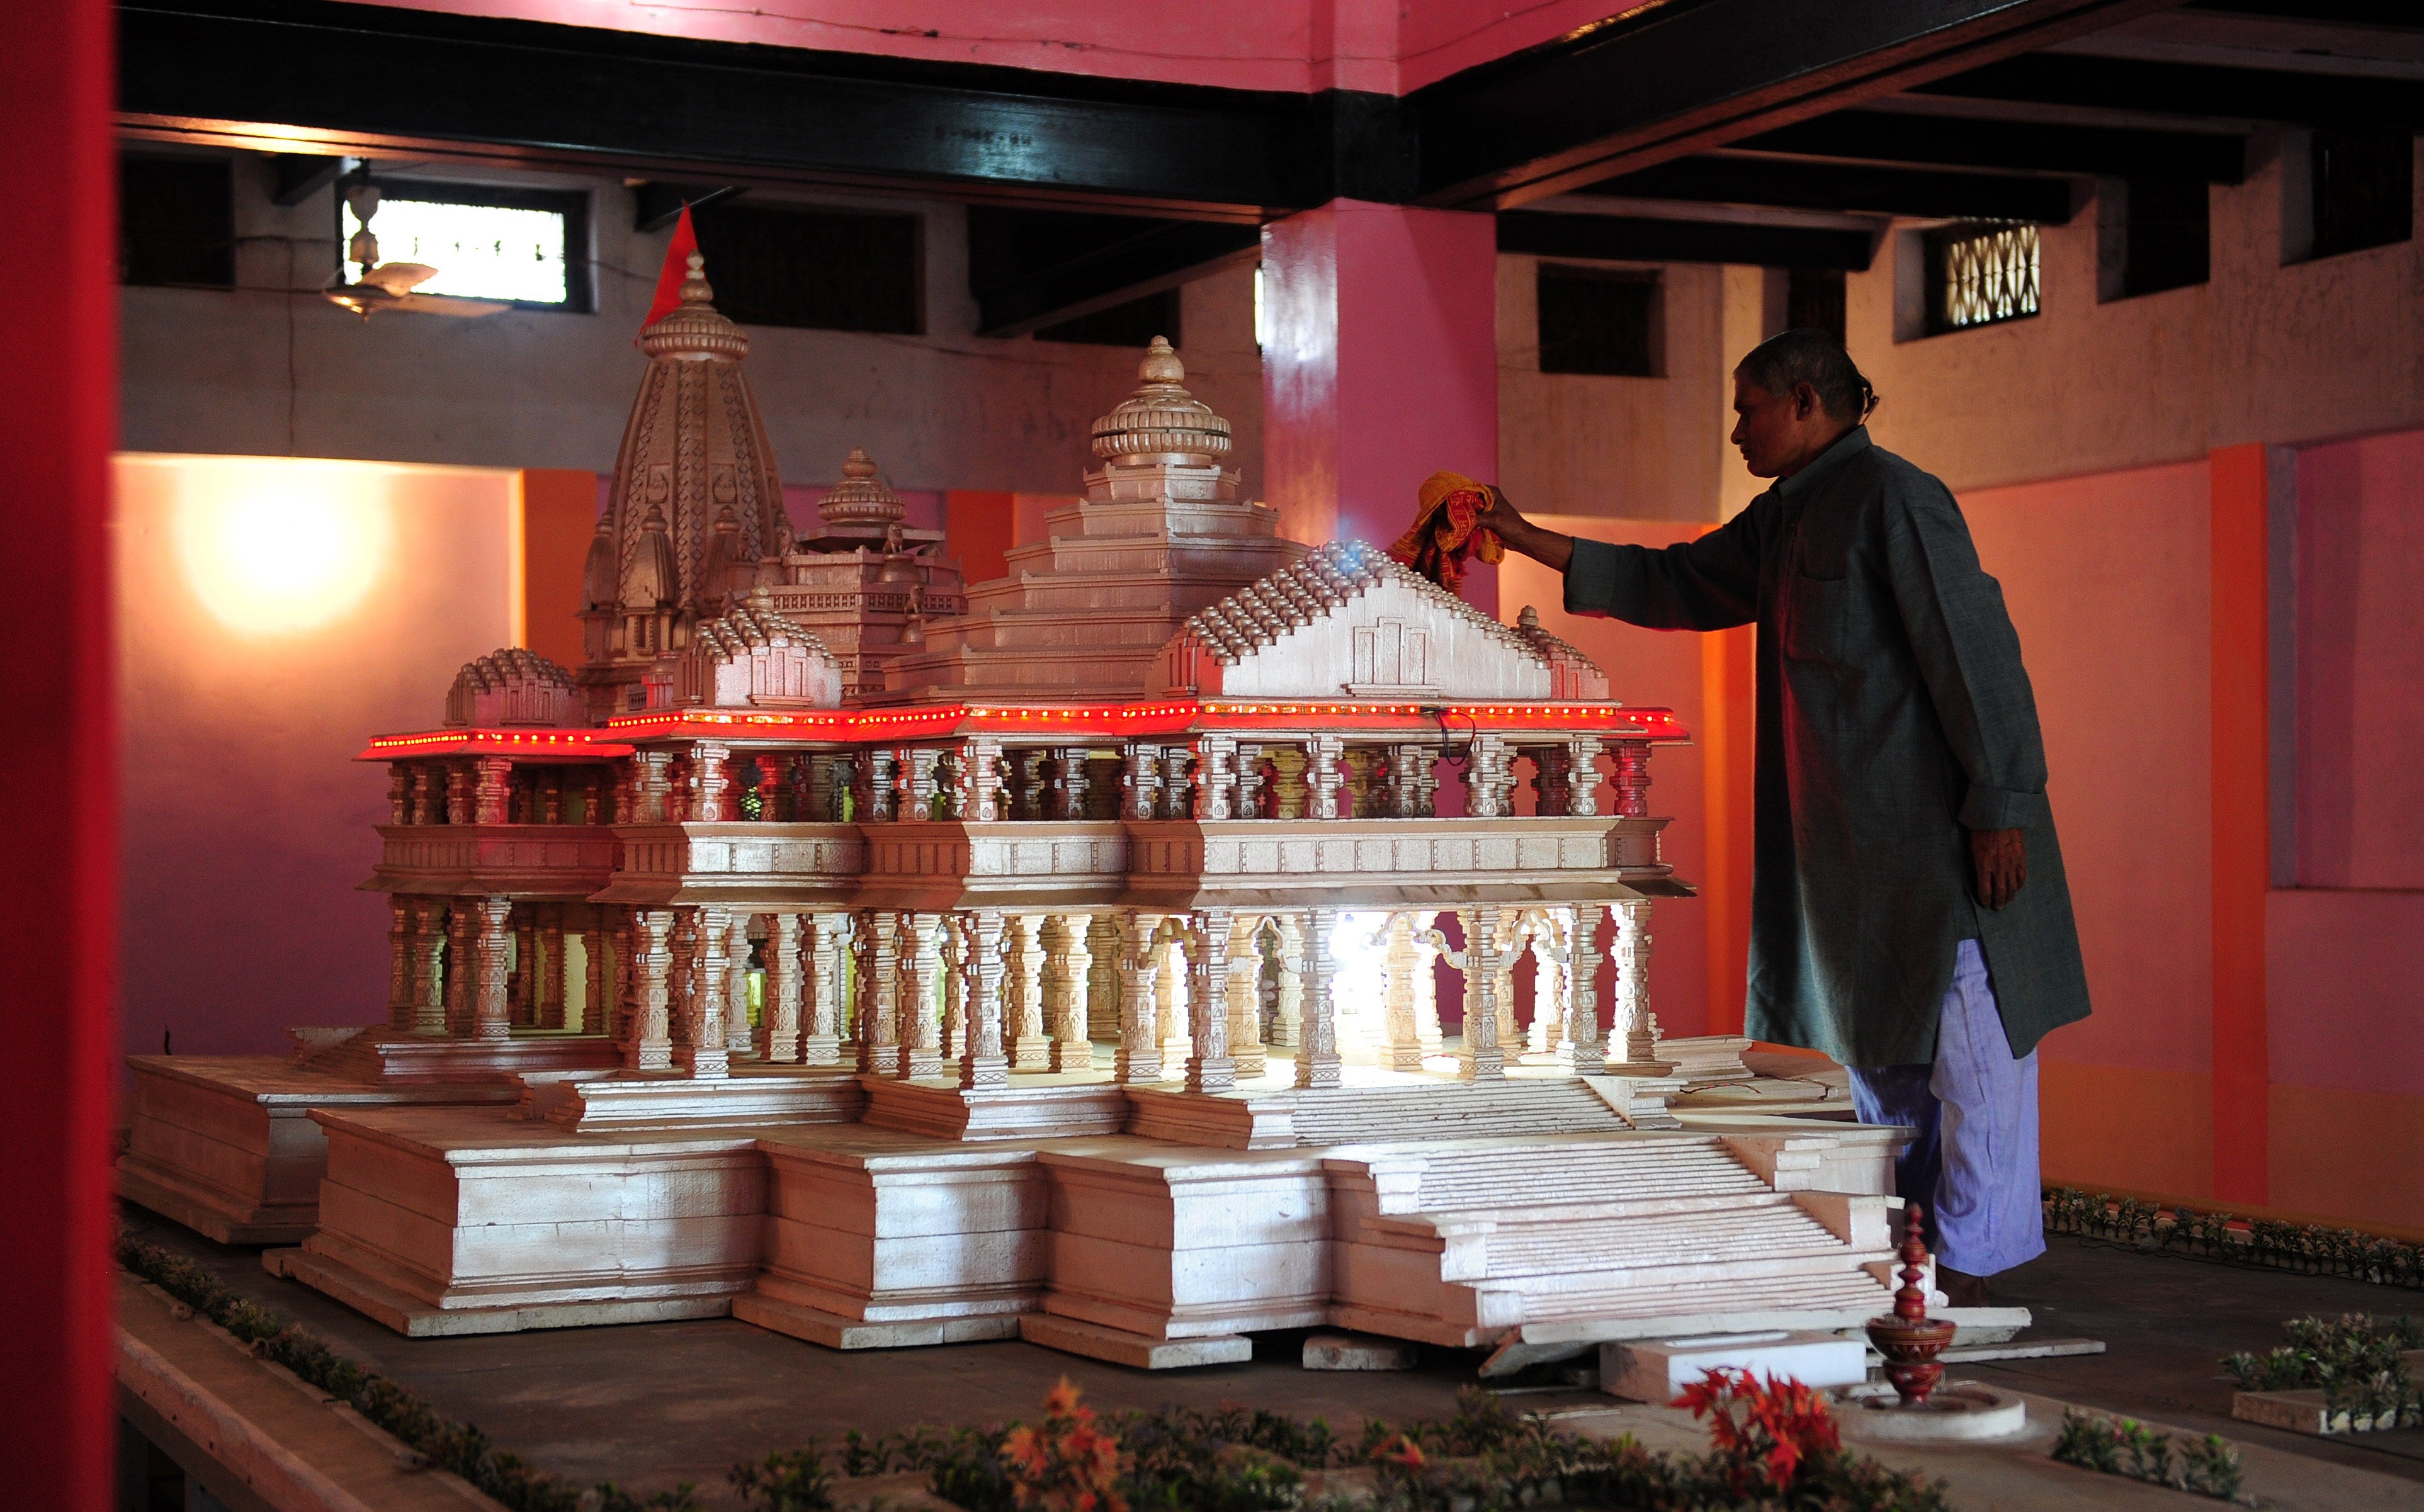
(246, 823)
(559, 515)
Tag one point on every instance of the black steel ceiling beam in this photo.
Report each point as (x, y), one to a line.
(1967, 141)
(2401, 14)
(2189, 89)
(656, 204)
(275, 75)
(1670, 79)
(1642, 239)
(1768, 181)
(1031, 268)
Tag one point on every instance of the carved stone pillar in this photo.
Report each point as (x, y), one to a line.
(1244, 979)
(1068, 963)
(1552, 950)
(488, 775)
(950, 991)
(779, 1038)
(399, 946)
(1142, 790)
(399, 792)
(653, 786)
(1316, 1056)
(823, 787)
(428, 793)
(1023, 995)
(648, 1045)
(1139, 1061)
(1481, 1060)
(1070, 782)
(985, 1064)
(920, 1012)
(1251, 795)
(1489, 780)
(923, 762)
(737, 1038)
(704, 1051)
(458, 792)
(1322, 777)
(1580, 927)
(1552, 766)
(1401, 1044)
(1215, 777)
(1414, 776)
(1429, 1034)
(1288, 1031)
(829, 971)
(1209, 1067)
(879, 993)
(879, 798)
(1635, 1033)
(462, 973)
(710, 784)
(1632, 779)
(1582, 774)
(492, 938)
(1170, 1004)
(429, 966)
(977, 775)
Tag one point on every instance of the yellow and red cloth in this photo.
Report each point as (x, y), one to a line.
(1449, 528)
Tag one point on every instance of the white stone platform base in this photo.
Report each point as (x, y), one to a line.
(1655, 1369)
(225, 1146)
(834, 1331)
(1140, 1351)
(458, 1220)
(1047, 1107)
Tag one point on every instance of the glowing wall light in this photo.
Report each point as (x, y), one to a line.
(273, 548)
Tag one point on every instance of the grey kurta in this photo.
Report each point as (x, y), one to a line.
(1894, 715)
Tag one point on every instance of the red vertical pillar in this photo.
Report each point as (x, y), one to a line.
(1729, 673)
(1380, 366)
(2242, 1073)
(59, 761)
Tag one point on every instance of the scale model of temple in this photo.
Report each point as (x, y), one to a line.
(887, 961)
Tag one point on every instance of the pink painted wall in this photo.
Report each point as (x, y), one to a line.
(2360, 713)
(1371, 383)
(1653, 668)
(1377, 45)
(246, 823)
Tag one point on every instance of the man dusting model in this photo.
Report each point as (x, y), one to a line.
(1908, 912)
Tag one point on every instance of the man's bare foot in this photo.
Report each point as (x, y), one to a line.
(1959, 1287)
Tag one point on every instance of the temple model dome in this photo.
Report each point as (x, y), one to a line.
(1161, 421)
(862, 497)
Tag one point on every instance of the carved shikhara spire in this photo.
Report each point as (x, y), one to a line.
(697, 504)
(1161, 421)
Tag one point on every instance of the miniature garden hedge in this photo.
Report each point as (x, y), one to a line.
(2357, 1360)
(2304, 1248)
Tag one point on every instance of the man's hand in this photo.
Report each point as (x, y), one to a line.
(1547, 548)
(2002, 864)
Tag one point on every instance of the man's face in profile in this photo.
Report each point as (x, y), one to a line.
(1779, 435)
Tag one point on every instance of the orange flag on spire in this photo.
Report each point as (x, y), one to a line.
(677, 269)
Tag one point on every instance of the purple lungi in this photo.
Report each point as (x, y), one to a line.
(1974, 1162)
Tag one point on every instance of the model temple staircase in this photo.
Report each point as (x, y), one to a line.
(1454, 1110)
(1472, 1242)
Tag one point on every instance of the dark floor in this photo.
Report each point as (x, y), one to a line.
(648, 1405)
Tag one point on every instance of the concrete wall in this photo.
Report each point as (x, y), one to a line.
(2260, 352)
(258, 372)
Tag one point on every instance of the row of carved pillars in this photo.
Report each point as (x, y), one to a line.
(480, 967)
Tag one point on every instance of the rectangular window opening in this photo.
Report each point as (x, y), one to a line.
(527, 247)
(1136, 323)
(2166, 242)
(815, 269)
(1599, 320)
(2364, 188)
(176, 222)
(1981, 273)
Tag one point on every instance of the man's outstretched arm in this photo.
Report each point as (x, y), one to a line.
(1711, 583)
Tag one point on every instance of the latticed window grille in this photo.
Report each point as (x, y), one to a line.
(1980, 274)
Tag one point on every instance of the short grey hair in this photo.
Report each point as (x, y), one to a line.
(1812, 357)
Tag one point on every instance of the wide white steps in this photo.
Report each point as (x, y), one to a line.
(1775, 1230)
(1648, 1166)
(1846, 1290)
(1457, 1110)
